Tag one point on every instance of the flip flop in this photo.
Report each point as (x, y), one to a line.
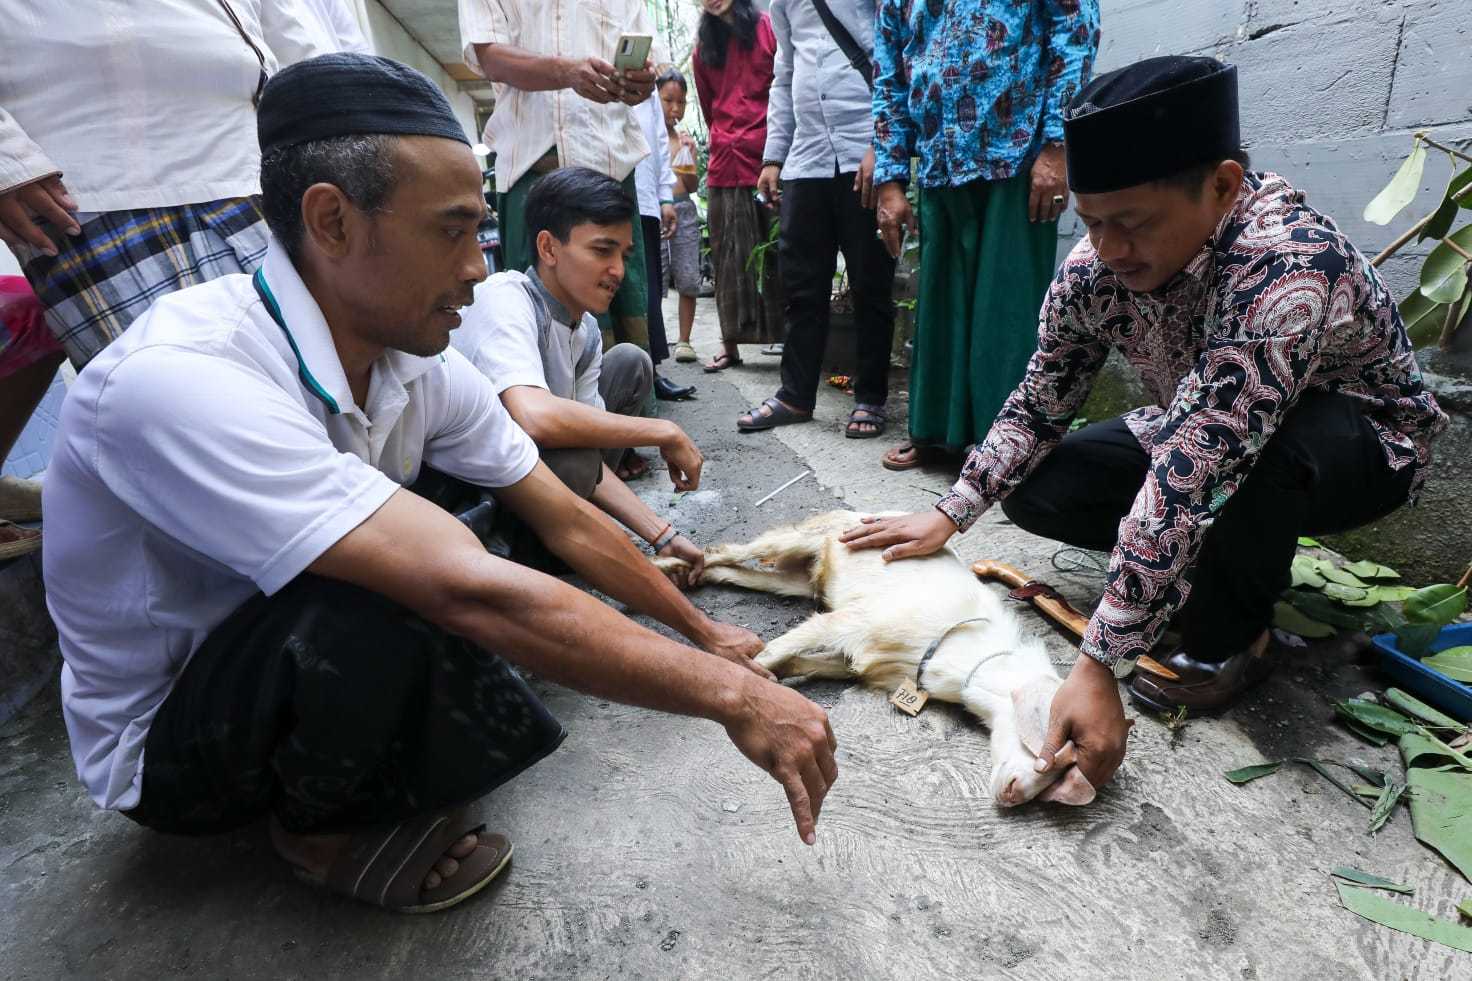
(908, 456)
(773, 350)
(386, 866)
(632, 467)
(777, 415)
(685, 352)
(721, 362)
(873, 415)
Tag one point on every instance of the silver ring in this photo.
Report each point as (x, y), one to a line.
(1058, 200)
(879, 234)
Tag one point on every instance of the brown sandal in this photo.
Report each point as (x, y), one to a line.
(387, 866)
(908, 456)
(16, 541)
(723, 361)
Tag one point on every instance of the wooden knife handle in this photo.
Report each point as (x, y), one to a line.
(1059, 611)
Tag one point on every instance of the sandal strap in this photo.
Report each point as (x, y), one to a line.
(877, 413)
(387, 866)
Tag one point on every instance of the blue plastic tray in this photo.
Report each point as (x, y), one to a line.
(1433, 687)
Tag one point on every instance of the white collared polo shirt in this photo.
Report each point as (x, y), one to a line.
(210, 453)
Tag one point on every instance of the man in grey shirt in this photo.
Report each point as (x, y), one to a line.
(819, 165)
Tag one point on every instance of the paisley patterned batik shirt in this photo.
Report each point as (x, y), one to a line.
(975, 87)
(1277, 302)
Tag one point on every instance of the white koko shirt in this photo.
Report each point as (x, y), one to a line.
(525, 125)
(208, 454)
(140, 104)
(501, 336)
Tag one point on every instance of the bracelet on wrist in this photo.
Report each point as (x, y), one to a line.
(665, 537)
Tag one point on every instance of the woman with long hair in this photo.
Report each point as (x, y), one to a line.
(733, 73)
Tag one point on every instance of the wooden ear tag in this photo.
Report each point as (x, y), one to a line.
(909, 699)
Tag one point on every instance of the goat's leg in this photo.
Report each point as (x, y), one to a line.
(819, 647)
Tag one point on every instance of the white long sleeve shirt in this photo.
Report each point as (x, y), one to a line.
(653, 178)
(140, 105)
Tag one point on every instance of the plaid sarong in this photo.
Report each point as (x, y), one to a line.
(104, 278)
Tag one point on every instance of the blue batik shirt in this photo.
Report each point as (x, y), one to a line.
(975, 88)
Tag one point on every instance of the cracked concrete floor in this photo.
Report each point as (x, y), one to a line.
(647, 847)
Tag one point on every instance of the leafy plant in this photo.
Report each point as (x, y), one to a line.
(758, 256)
(1438, 307)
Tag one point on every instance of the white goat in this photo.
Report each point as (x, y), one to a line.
(881, 617)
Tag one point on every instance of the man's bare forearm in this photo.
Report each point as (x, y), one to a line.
(618, 501)
(558, 423)
(522, 69)
(586, 539)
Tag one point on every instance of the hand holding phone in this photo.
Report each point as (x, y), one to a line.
(632, 52)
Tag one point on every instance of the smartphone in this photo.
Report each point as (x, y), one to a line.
(632, 51)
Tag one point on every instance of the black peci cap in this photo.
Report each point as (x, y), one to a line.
(1150, 120)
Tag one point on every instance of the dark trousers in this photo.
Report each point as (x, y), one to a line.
(334, 708)
(1323, 471)
(659, 345)
(821, 217)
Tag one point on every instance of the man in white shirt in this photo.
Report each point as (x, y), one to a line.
(128, 162)
(654, 179)
(257, 619)
(534, 336)
(560, 102)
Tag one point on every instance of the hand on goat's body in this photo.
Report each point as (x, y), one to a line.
(1087, 712)
(789, 737)
(902, 536)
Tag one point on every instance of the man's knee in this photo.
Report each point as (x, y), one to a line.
(627, 379)
(577, 467)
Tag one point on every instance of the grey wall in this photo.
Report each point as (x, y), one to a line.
(1331, 91)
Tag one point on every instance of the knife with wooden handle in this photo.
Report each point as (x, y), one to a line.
(1052, 605)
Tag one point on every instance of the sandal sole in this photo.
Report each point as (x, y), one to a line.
(469, 890)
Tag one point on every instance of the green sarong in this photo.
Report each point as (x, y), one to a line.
(627, 318)
(984, 270)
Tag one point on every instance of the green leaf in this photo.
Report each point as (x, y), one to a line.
(1413, 706)
(1441, 801)
(1376, 777)
(1391, 594)
(1309, 542)
(1444, 273)
(1422, 317)
(1401, 190)
(1373, 881)
(1317, 606)
(1287, 617)
(1333, 573)
(1348, 595)
(1247, 774)
(1377, 717)
(1318, 767)
(1455, 663)
(1385, 805)
(1439, 604)
(1364, 732)
(1365, 569)
(1405, 919)
(1465, 908)
(1305, 574)
(1441, 221)
(1456, 187)
(1415, 639)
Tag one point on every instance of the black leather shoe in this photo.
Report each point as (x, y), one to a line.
(667, 391)
(1204, 686)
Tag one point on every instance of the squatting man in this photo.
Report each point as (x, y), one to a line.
(1287, 401)
(259, 620)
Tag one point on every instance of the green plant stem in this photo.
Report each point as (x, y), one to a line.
(1442, 147)
(1415, 229)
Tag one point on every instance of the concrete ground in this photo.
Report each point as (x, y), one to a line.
(647, 847)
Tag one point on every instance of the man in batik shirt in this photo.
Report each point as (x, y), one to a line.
(1287, 400)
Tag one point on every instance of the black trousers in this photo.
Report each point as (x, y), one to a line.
(1323, 471)
(334, 708)
(821, 217)
(659, 345)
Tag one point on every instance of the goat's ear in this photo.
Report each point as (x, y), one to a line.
(1032, 704)
(1071, 788)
